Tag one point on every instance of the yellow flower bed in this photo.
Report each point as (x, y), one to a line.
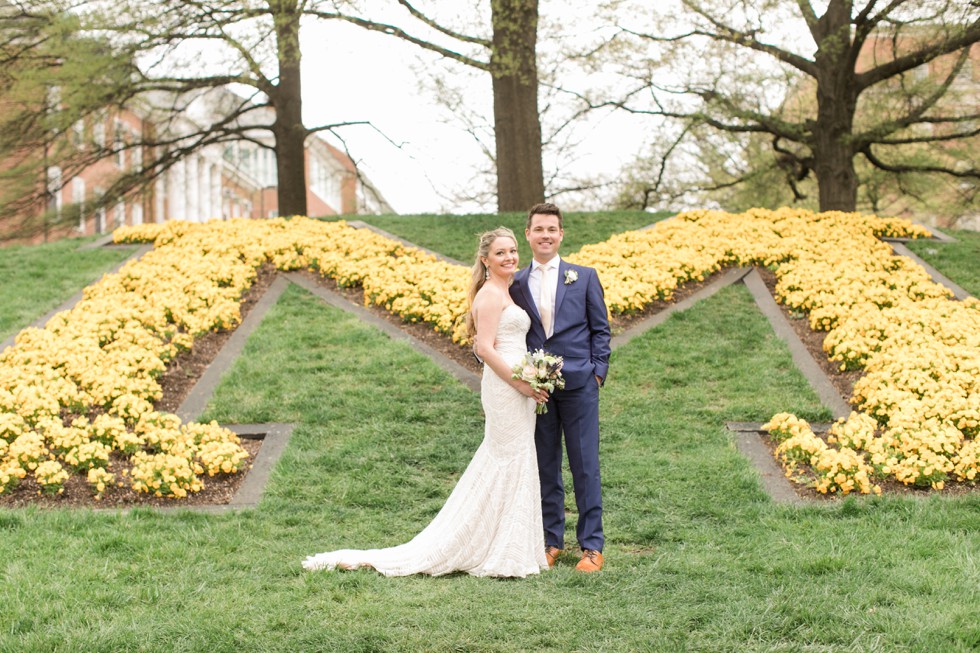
(919, 400)
(876, 306)
(99, 362)
(51, 477)
(85, 384)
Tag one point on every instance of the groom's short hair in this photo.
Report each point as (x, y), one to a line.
(544, 209)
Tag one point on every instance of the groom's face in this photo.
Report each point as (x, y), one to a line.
(544, 235)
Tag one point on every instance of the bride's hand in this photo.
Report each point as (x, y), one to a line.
(540, 396)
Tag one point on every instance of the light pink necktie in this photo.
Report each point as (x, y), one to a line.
(546, 303)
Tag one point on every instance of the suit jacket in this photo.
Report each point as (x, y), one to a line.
(581, 326)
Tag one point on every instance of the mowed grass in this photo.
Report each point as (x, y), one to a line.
(960, 261)
(36, 279)
(699, 559)
(456, 236)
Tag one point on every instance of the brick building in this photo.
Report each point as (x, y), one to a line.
(230, 180)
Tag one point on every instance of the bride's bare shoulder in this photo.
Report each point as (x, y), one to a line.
(488, 301)
(489, 294)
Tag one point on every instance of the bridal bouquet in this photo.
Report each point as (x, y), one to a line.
(543, 371)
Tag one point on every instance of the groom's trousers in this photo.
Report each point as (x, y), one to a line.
(576, 413)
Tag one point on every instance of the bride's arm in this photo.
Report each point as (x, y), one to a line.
(487, 308)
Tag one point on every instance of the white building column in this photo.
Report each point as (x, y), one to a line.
(176, 192)
(159, 197)
(193, 189)
(216, 191)
(204, 197)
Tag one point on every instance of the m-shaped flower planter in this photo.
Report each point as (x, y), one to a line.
(274, 436)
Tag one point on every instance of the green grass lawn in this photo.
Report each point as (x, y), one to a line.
(456, 235)
(959, 261)
(36, 279)
(698, 557)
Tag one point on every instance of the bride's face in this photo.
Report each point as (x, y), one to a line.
(502, 259)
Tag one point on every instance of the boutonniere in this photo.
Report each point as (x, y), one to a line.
(571, 276)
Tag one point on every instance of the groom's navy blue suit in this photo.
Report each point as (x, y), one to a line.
(581, 336)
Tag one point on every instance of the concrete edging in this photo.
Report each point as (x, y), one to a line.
(336, 300)
(804, 361)
(728, 278)
(774, 481)
(274, 436)
(958, 292)
(197, 398)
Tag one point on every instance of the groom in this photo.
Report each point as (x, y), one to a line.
(568, 319)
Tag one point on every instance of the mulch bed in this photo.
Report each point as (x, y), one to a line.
(181, 375)
(185, 370)
(813, 340)
(805, 479)
(218, 490)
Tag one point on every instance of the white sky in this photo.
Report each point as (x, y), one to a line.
(352, 74)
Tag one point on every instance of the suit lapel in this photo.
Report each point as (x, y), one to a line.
(560, 293)
(521, 279)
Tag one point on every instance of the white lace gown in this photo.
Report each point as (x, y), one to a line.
(491, 522)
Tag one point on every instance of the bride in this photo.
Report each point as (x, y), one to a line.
(491, 522)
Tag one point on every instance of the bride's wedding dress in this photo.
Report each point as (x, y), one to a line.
(491, 522)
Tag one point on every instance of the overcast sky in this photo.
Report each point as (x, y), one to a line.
(352, 74)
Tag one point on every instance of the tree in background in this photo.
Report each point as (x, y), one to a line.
(52, 79)
(864, 88)
(165, 56)
(509, 54)
(185, 48)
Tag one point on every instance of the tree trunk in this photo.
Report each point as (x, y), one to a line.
(514, 71)
(833, 150)
(287, 99)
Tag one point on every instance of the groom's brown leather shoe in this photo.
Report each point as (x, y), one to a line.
(591, 561)
(551, 553)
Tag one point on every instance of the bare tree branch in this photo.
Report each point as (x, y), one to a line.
(905, 168)
(448, 32)
(398, 32)
(881, 72)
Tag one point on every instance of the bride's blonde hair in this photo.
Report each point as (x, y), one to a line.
(480, 271)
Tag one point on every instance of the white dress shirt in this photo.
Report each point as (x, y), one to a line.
(534, 284)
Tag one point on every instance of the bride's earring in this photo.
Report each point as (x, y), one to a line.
(486, 273)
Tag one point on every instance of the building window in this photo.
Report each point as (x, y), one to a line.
(119, 144)
(98, 133)
(137, 212)
(54, 190)
(100, 212)
(78, 134)
(965, 76)
(119, 214)
(325, 183)
(78, 199)
(53, 98)
(269, 173)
